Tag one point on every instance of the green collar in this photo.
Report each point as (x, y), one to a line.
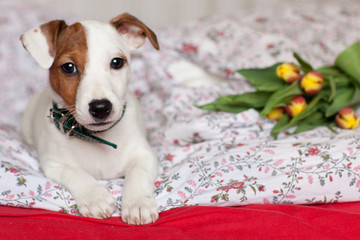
(67, 123)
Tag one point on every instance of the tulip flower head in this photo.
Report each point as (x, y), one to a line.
(288, 72)
(312, 82)
(296, 106)
(347, 119)
(276, 113)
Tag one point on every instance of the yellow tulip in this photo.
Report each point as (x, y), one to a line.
(347, 119)
(276, 113)
(312, 82)
(296, 106)
(288, 72)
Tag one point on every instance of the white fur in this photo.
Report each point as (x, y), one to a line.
(133, 41)
(77, 164)
(34, 41)
(100, 81)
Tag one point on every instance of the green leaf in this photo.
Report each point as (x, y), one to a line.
(209, 107)
(340, 78)
(284, 124)
(355, 101)
(223, 107)
(331, 127)
(263, 79)
(305, 66)
(311, 108)
(279, 126)
(349, 61)
(231, 109)
(281, 97)
(342, 98)
(332, 88)
(251, 99)
(329, 70)
(324, 94)
(238, 103)
(315, 120)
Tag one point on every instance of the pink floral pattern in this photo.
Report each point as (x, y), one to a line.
(206, 158)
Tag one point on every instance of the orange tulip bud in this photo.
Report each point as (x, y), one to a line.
(347, 119)
(288, 72)
(296, 106)
(312, 82)
(276, 113)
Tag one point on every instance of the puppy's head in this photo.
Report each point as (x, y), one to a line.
(89, 64)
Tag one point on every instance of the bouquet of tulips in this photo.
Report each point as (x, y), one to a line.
(299, 95)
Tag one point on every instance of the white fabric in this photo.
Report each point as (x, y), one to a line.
(206, 158)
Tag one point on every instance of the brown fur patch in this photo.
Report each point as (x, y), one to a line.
(71, 47)
(120, 22)
(52, 30)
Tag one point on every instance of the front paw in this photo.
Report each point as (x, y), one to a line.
(139, 211)
(96, 202)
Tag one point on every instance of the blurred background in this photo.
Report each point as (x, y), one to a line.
(160, 13)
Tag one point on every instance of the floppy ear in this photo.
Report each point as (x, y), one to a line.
(41, 42)
(134, 31)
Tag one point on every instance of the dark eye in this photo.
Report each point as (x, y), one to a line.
(117, 63)
(69, 69)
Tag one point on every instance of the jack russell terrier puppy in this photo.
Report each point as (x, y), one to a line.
(95, 128)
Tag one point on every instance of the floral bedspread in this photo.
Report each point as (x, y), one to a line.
(206, 158)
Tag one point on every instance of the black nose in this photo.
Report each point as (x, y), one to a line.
(100, 109)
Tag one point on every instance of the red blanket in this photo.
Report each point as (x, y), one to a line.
(333, 221)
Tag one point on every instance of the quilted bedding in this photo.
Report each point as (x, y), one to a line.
(206, 158)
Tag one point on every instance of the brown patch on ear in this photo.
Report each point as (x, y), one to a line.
(71, 47)
(120, 22)
(22, 41)
(52, 31)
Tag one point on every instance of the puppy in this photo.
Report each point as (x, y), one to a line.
(94, 129)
